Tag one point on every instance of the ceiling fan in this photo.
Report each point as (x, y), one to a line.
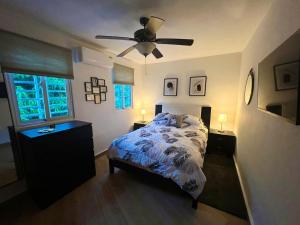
(146, 38)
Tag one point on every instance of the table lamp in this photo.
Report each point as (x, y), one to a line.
(143, 112)
(222, 119)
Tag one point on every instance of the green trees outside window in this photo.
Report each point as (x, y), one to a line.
(123, 96)
(40, 97)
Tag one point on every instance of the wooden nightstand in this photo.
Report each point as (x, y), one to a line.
(221, 143)
(139, 124)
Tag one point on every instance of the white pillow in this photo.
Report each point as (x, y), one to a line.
(189, 120)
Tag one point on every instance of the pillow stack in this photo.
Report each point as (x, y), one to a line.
(179, 121)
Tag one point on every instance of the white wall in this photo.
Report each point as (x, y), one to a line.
(108, 123)
(222, 73)
(268, 149)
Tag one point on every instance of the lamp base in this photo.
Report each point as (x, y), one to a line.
(221, 131)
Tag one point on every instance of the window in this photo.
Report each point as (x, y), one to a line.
(123, 96)
(39, 98)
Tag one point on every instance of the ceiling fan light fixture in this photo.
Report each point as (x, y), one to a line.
(145, 48)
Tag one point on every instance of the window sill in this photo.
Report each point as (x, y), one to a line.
(125, 109)
(42, 124)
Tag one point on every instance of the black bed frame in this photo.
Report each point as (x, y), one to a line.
(205, 115)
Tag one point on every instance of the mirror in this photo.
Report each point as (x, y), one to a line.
(249, 87)
(278, 89)
(8, 171)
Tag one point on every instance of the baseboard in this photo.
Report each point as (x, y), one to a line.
(99, 154)
(244, 193)
(12, 190)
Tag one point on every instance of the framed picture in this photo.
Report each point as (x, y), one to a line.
(286, 76)
(89, 97)
(88, 86)
(103, 96)
(197, 86)
(96, 90)
(101, 82)
(103, 89)
(97, 99)
(170, 86)
(94, 81)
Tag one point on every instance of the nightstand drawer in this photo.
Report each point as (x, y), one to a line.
(221, 143)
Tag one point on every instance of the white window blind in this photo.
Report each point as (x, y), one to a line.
(20, 54)
(123, 74)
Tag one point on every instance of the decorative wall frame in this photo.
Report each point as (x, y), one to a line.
(94, 81)
(197, 86)
(89, 97)
(97, 99)
(88, 87)
(170, 86)
(103, 96)
(95, 90)
(103, 89)
(286, 76)
(101, 82)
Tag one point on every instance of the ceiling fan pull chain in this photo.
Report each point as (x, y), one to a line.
(145, 66)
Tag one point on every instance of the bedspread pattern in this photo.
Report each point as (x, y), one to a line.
(175, 153)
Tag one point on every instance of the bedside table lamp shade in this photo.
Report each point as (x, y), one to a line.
(143, 112)
(222, 119)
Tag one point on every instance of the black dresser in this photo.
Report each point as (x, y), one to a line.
(58, 161)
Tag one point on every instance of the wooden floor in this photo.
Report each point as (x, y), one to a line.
(117, 199)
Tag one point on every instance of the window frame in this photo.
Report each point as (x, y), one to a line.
(11, 91)
(123, 102)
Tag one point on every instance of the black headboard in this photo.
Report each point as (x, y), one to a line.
(205, 114)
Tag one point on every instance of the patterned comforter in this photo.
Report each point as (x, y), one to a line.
(175, 153)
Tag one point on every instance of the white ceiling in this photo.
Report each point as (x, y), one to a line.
(217, 26)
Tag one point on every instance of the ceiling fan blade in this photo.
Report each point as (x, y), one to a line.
(157, 53)
(127, 51)
(154, 24)
(174, 41)
(115, 38)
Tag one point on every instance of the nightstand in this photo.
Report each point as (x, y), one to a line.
(139, 124)
(221, 143)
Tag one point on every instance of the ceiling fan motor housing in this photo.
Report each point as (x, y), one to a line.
(144, 35)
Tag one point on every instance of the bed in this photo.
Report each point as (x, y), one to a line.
(164, 150)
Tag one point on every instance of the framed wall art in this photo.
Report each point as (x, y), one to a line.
(96, 90)
(97, 99)
(103, 96)
(87, 86)
(286, 76)
(197, 86)
(101, 82)
(170, 86)
(94, 81)
(103, 89)
(89, 97)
